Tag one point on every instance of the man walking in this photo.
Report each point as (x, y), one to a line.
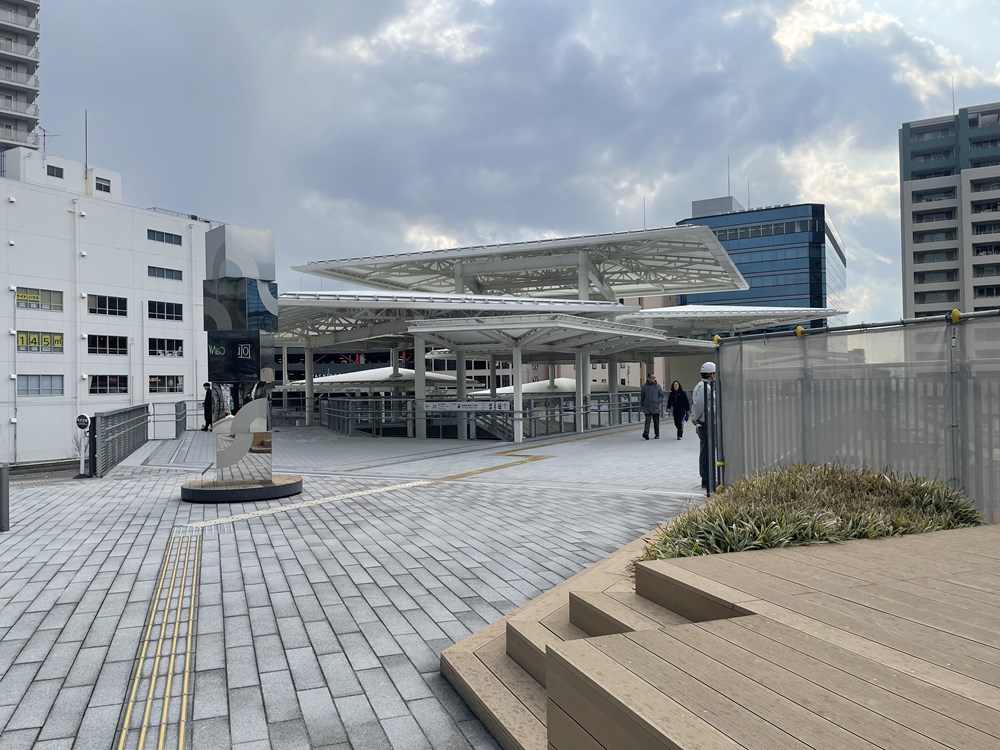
(704, 393)
(652, 399)
(208, 407)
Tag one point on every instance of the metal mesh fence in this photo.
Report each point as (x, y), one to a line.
(921, 399)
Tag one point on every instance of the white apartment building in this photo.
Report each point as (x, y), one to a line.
(104, 303)
(18, 72)
(950, 204)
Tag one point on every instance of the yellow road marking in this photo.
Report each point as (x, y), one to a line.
(145, 642)
(187, 650)
(159, 651)
(173, 648)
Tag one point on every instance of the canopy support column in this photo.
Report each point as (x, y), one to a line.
(284, 378)
(580, 376)
(493, 376)
(462, 418)
(518, 398)
(419, 387)
(309, 387)
(613, 403)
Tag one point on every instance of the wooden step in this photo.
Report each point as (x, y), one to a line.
(509, 702)
(604, 699)
(527, 639)
(618, 612)
(690, 595)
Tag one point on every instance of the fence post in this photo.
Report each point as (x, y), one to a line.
(4, 497)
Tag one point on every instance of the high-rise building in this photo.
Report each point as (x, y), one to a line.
(791, 255)
(18, 73)
(949, 171)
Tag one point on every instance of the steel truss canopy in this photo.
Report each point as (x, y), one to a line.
(694, 320)
(670, 260)
(550, 337)
(330, 319)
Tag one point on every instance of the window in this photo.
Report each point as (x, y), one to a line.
(158, 236)
(933, 156)
(941, 236)
(987, 143)
(108, 384)
(923, 218)
(986, 249)
(923, 298)
(166, 310)
(166, 347)
(938, 256)
(39, 341)
(99, 304)
(982, 272)
(97, 344)
(935, 277)
(165, 273)
(985, 228)
(930, 196)
(166, 384)
(979, 186)
(54, 171)
(39, 299)
(986, 207)
(930, 135)
(39, 385)
(103, 185)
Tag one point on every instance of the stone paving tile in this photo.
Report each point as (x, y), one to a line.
(317, 627)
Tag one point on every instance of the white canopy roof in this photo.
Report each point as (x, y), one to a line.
(692, 320)
(549, 336)
(334, 318)
(669, 260)
(562, 385)
(377, 376)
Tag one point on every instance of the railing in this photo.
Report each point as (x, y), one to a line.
(16, 76)
(18, 49)
(541, 416)
(19, 19)
(13, 105)
(115, 435)
(921, 398)
(18, 136)
(168, 420)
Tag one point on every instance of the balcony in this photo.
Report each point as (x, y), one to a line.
(18, 21)
(9, 106)
(18, 138)
(19, 81)
(8, 47)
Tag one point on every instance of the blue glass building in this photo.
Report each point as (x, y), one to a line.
(792, 256)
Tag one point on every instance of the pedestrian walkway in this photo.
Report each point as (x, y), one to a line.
(128, 617)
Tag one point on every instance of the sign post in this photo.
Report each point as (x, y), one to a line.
(83, 422)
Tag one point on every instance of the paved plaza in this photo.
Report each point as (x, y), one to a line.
(131, 619)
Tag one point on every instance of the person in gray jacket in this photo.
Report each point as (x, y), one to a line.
(652, 400)
(704, 392)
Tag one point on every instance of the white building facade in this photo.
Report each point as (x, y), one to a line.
(104, 303)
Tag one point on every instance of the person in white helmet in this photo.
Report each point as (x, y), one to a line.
(698, 415)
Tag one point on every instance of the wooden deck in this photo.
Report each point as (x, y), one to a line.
(890, 643)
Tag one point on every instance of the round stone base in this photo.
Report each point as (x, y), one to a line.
(241, 491)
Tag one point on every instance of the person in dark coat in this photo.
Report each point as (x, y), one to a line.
(678, 406)
(208, 408)
(652, 400)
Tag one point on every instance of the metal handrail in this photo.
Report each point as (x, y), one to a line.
(19, 49)
(13, 105)
(16, 76)
(19, 19)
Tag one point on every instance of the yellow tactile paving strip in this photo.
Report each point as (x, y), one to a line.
(157, 711)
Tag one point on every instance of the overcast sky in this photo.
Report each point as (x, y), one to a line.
(357, 127)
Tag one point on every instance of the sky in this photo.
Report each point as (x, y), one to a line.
(353, 127)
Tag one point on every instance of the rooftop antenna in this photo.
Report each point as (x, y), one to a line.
(729, 179)
(86, 154)
(748, 192)
(46, 134)
(644, 212)
(953, 111)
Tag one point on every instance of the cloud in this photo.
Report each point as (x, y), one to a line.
(431, 26)
(854, 182)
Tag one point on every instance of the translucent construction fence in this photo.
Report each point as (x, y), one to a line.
(919, 397)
